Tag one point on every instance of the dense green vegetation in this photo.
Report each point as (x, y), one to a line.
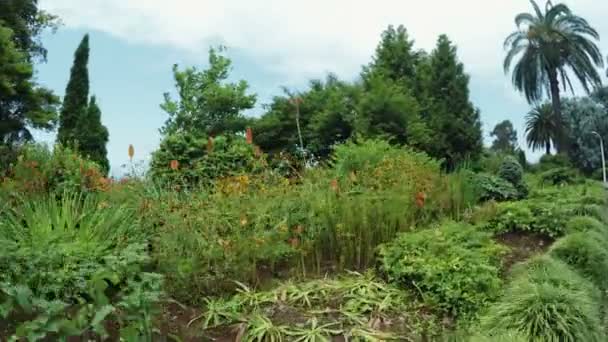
(364, 211)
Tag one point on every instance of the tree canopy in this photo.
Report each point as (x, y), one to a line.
(505, 137)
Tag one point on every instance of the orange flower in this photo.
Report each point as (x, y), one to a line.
(420, 199)
(334, 185)
(174, 165)
(249, 136)
(131, 152)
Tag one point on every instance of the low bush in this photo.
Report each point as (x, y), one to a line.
(586, 224)
(511, 171)
(547, 301)
(489, 187)
(550, 161)
(60, 255)
(560, 176)
(40, 171)
(455, 267)
(587, 254)
(185, 159)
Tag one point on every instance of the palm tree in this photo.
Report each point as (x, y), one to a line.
(547, 44)
(542, 128)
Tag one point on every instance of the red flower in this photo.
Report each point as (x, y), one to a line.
(334, 185)
(174, 165)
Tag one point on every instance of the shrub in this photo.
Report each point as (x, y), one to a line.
(58, 258)
(186, 159)
(560, 176)
(494, 188)
(585, 224)
(548, 161)
(547, 301)
(511, 171)
(39, 170)
(455, 267)
(587, 254)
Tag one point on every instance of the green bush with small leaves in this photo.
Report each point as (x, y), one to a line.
(586, 224)
(489, 187)
(454, 267)
(560, 176)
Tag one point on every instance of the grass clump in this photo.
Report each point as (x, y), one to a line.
(587, 254)
(547, 301)
(585, 224)
(454, 267)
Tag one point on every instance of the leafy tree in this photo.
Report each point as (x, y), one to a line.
(207, 104)
(547, 44)
(327, 117)
(27, 22)
(92, 136)
(583, 116)
(76, 98)
(542, 128)
(505, 137)
(451, 116)
(389, 110)
(23, 104)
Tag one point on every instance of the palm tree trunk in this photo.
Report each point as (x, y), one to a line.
(548, 148)
(557, 110)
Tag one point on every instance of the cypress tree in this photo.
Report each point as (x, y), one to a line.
(92, 136)
(76, 98)
(453, 119)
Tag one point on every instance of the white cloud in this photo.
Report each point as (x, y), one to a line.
(309, 38)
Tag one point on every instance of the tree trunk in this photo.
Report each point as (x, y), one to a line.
(557, 111)
(548, 148)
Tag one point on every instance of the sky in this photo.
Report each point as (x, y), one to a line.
(273, 43)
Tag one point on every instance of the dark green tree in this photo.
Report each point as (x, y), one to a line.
(542, 128)
(395, 57)
(27, 21)
(23, 103)
(505, 137)
(76, 100)
(92, 136)
(451, 116)
(545, 46)
(207, 104)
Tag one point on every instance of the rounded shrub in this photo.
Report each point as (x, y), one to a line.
(511, 171)
(587, 254)
(547, 301)
(455, 267)
(560, 176)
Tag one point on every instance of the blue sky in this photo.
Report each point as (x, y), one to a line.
(273, 43)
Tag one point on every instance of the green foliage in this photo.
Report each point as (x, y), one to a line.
(560, 176)
(453, 119)
(207, 105)
(543, 129)
(586, 253)
(505, 137)
(76, 99)
(336, 216)
(39, 170)
(454, 266)
(352, 306)
(489, 187)
(92, 136)
(511, 171)
(23, 104)
(547, 301)
(199, 165)
(68, 264)
(585, 224)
